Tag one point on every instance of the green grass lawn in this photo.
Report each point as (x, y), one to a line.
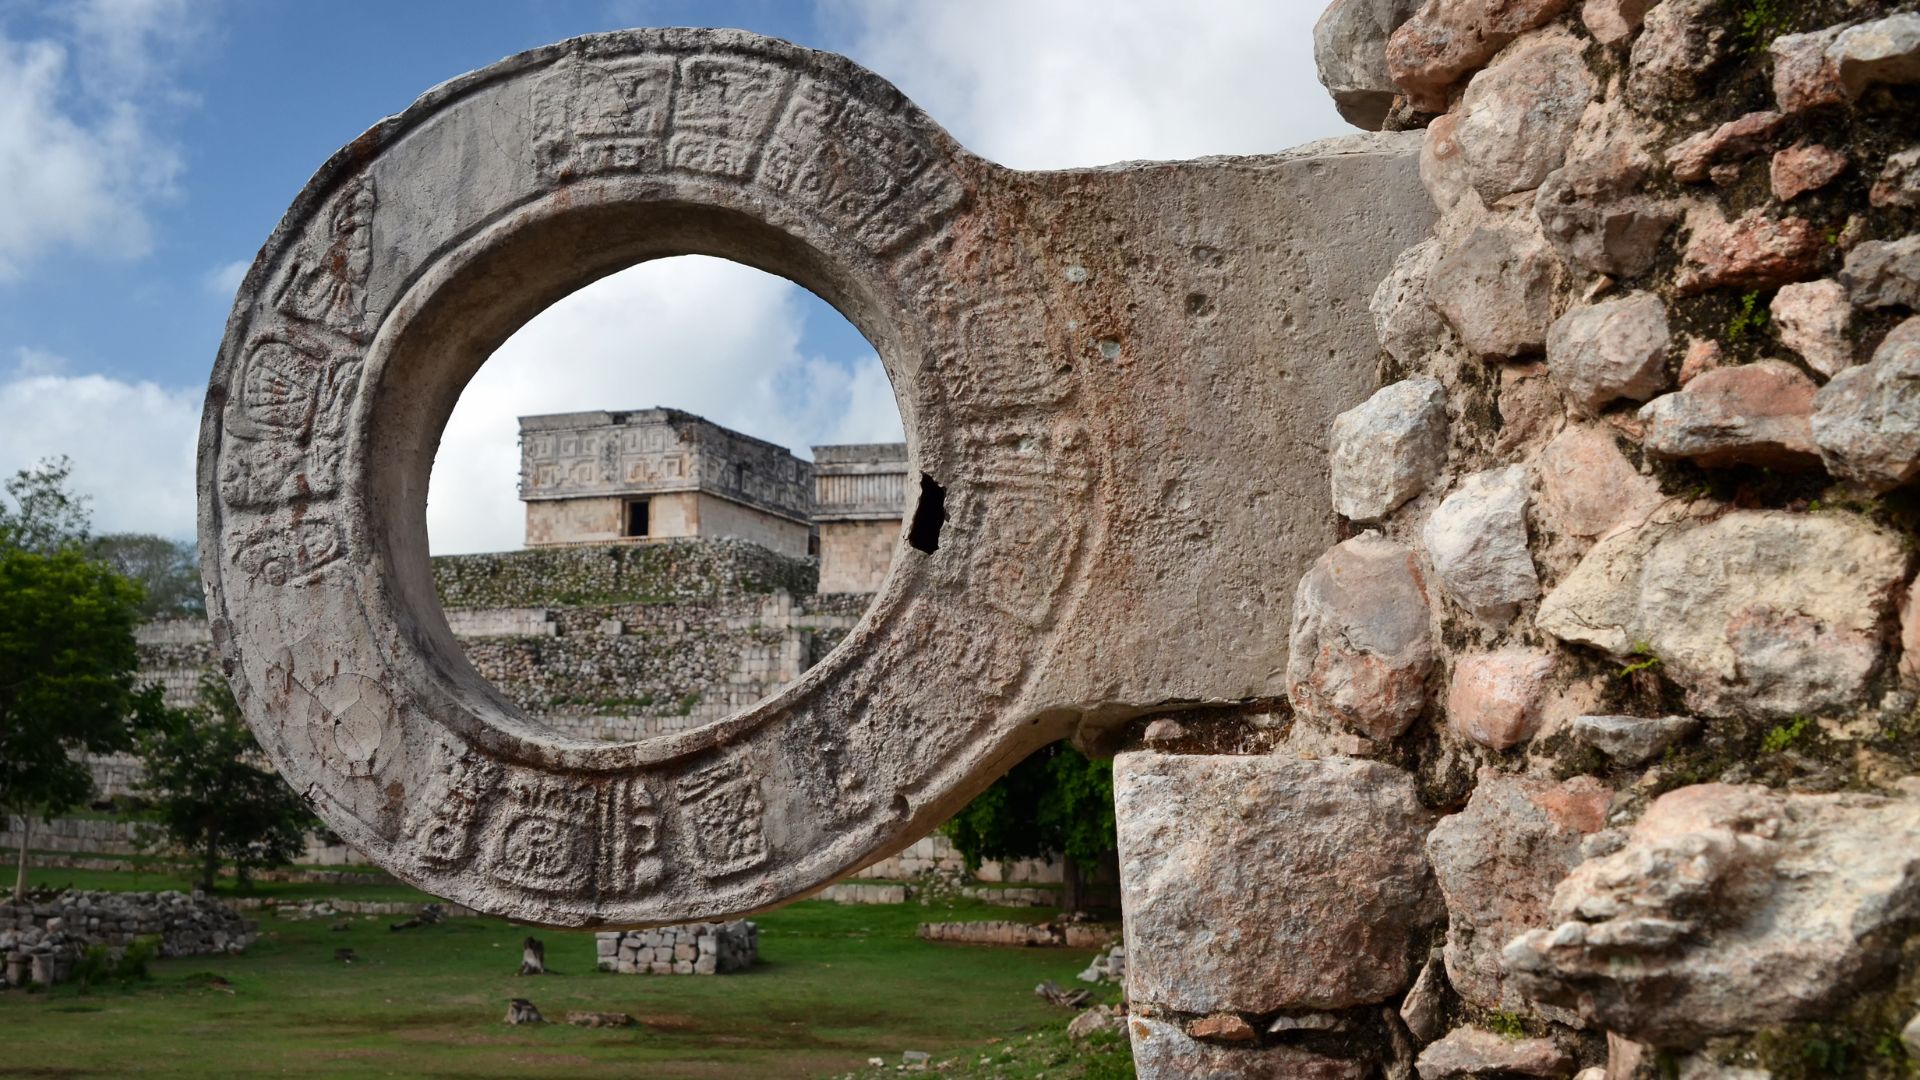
(835, 986)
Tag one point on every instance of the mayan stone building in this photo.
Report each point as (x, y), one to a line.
(859, 496)
(656, 474)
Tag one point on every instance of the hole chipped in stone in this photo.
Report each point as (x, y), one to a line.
(929, 516)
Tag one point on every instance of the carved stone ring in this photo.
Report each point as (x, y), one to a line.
(1116, 385)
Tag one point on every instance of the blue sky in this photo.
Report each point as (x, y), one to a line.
(147, 148)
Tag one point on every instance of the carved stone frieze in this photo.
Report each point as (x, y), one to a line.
(1116, 384)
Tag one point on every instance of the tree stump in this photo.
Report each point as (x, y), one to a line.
(521, 1011)
(533, 957)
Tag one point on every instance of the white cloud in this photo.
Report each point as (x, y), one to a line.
(700, 334)
(224, 280)
(1061, 83)
(79, 163)
(132, 443)
(130, 45)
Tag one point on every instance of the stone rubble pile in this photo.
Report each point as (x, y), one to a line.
(1109, 966)
(41, 938)
(691, 949)
(1614, 688)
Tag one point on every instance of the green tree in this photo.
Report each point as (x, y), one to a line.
(45, 516)
(168, 569)
(1055, 803)
(212, 793)
(67, 664)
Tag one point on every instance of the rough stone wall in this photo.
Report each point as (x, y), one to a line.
(616, 642)
(692, 949)
(618, 574)
(629, 671)
(1608, 701)
(935, 854)
(41, 939)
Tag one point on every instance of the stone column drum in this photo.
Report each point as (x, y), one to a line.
(1115, 383)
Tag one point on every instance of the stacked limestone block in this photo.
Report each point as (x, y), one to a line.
(41, 939)
(1603, 740)
(692, 949)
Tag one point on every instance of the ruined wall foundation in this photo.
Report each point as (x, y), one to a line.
(1608, 698)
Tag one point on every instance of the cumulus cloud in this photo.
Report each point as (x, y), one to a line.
(224, 280)
(79, 159)
(132, 443)
(1090, 82)
(700, 334)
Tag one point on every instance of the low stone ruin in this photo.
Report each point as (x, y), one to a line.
(1109, 966)
(1001, 932)
(41, 939)
(693, 949)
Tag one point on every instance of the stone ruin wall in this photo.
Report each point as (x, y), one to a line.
(706, 948)
(609, 642)
(1609, 697)
(41, 940)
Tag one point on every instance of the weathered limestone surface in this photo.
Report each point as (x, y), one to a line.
(1867, 420)
(1813, 319)
(1800, 169)
(1899, 180)
(1633, 740)
(1753, 251)
(1803, 75)
(1061, 407)
(1760, 612)
(1472, 1051)
(1494, 698)
(1594, 209)
(1477, 539)
(1611, 350)
(1388, 448)
(1729, 908)
(1498, 862)
(1200, 834)
(1517, 117)
(1882, 51)
(1496, 290)
(1884, 273)
(1361, 644)
(1755, 414)
(1680, 41)
(1161, 1051)
(1447, 39)
(1350, 54)
(1691, 158)
(1407, 325)
(1587, 486)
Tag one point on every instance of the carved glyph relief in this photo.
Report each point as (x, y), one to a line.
(726, 816)
(440, 824)
(743, 119)
(986, 642)
(325, 280)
